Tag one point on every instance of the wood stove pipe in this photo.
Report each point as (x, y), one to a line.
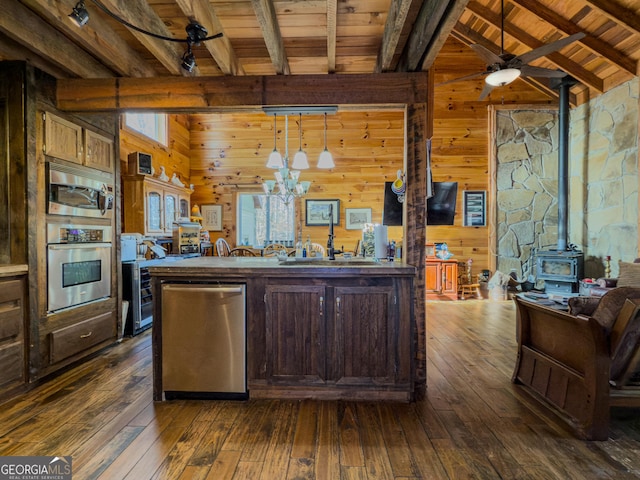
(563, 160)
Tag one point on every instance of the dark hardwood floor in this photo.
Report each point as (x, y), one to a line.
(473, 423)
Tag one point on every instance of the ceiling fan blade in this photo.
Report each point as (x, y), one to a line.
(460, 79)
(548, 48)
(530, 71)
(485, 54)
(485, 91)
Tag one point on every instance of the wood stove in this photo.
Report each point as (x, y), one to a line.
(560, 270)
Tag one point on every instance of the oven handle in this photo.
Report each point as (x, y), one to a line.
(69, 246)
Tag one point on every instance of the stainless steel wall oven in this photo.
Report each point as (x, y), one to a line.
(78, 264)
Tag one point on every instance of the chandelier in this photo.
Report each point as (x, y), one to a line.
(288, 179)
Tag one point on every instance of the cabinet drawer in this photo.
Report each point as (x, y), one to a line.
(75, 338)
(11, 362)
(11, 311)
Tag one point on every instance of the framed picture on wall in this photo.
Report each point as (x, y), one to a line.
(356, 218)
(474, 205)
(211, 217)
(317, 212)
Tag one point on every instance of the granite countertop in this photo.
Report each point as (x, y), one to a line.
(273, 266)
(9, 270)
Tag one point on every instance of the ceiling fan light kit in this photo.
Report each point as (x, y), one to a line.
(503, 77)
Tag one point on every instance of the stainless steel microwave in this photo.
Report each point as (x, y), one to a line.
(79, 191)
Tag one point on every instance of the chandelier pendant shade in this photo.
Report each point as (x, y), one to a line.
(325, 160)
(287, 180)
(275, 158)
(300, 161)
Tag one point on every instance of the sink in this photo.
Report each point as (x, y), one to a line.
(325, 262)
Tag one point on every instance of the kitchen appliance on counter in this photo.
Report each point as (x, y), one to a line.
(186, 237)
(204, 341)
(128, 248)
(78, 264)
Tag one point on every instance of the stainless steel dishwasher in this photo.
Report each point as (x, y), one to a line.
(204, 341)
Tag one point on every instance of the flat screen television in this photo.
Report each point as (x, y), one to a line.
(392, 212)
(441, 207)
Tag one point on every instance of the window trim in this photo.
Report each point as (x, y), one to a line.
(142, 135)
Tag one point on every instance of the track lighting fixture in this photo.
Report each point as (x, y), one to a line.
(79, 14)
(196, 33)
(188, 59)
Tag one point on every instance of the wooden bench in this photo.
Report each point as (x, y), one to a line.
(577, 365)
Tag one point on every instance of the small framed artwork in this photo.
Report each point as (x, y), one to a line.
(211, 217)
(474, 208)
(356, 218)
(430, 250)
(317, 212)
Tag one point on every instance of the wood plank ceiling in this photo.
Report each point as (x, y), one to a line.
(293, 37)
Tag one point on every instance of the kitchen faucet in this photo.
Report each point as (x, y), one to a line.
(330, 249)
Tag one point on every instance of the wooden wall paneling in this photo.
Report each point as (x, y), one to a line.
(232, 149)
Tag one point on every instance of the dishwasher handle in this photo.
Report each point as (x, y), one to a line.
(209, 289)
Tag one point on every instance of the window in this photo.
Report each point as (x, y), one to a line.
(152, 125)
(265, 219)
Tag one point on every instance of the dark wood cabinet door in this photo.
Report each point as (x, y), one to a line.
(296, 334)
(365, 337)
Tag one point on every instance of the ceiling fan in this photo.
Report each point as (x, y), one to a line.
(505, 68)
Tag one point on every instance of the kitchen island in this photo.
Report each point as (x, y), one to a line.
(322, 329)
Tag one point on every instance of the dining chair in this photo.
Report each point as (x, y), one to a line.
(242, 252)
(222, 247)
(273, 249)
(318, 249)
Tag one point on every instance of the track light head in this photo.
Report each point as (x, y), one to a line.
(79, 14)
(196, 33)
(188, 59)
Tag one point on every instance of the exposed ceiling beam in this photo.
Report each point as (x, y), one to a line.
(596, 45)
(447, 23)
(9, 48)
(220, 48)
(393, 27)
(266, 14)
(140, 14)
(332, 32)
(617, 14)
(422, 34)
(220, 93)
(565, 64)
(21, 24)
(96, 37)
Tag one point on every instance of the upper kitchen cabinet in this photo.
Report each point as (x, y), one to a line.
(71, 142)
(99, 151)
(62, 139)
(151, 206)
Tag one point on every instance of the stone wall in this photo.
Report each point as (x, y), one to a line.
(527, 184)
(603, 184)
